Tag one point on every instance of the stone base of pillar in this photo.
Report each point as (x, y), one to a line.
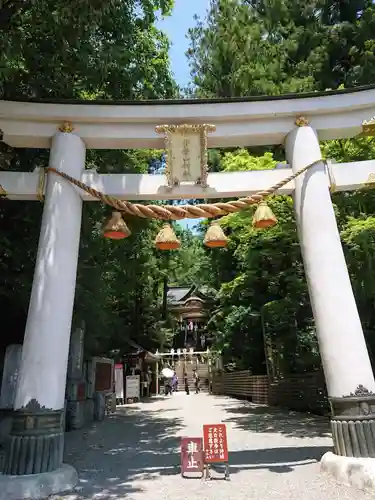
(350, 471)
(36, 441)
(353, 424)
(353, 434)
(354, 438)
(38, 486)
(6, 417)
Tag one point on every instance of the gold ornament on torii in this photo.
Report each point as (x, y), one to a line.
(186, 153)
(370, 183)
(368, 127)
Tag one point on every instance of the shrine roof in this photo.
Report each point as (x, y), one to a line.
(179, 294)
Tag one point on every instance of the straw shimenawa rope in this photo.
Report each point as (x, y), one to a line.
(171, 212)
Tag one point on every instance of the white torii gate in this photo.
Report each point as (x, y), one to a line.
(40, 393)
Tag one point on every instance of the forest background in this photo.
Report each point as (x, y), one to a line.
(113, 50)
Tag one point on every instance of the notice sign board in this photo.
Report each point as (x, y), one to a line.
(132, 388)
(192, 460)
(215, 443)
(119, 381)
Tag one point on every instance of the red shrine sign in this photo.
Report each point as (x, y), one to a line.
(192, 459)
(215, 443)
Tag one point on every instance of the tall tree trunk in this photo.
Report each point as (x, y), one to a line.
(165, 291)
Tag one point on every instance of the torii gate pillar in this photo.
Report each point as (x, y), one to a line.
(348, 373)
(35, 446)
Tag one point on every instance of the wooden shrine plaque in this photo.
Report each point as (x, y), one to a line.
(186, 153)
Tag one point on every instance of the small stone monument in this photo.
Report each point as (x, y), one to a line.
(77, 406)
(99, 406)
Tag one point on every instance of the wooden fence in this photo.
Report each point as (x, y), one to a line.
(306, 392)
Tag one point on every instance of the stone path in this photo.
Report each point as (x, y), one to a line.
(134, 454)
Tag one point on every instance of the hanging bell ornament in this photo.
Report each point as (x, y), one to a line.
(264, 217)
(215, 237)
(166, 239)
(115, 228)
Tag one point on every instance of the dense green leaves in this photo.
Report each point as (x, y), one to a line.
(112, 50)
(278, 46)
(88, 50)
(257, 47)
(263, 303)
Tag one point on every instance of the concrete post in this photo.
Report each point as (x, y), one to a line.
(349, 376)
(36, 441)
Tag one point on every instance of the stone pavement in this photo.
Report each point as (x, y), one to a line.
(134, 454)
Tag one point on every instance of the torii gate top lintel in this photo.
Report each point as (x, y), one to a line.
(237, 122)
(251, 121)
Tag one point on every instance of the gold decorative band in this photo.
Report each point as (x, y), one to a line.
(370, 183)
(186, 127)
(66, 128)
(301, 121)
(368, 127)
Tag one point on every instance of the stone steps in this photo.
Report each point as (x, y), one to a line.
(202, 370)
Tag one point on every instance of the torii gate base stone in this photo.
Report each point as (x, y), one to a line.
(34, 466)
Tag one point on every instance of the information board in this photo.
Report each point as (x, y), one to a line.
(119, 381)
(132, 388)
(215, 443)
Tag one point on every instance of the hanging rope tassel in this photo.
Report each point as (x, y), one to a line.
(166, 239)
(264, 217)
(115, 227)
(215, 237)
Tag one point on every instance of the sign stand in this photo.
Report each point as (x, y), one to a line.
(192, 458)
(208, 474)
(207, 471)
(215, 448)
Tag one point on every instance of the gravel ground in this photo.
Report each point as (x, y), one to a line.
(134, 454)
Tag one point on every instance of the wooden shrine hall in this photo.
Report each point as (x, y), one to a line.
(191, 308)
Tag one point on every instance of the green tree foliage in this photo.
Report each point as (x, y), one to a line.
(262, 284)
(259, 47)
(263, 296)
(87, 50)
(190, 265)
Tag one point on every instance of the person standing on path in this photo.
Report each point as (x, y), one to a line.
(174, 382)
(186, 383)
(196, 381)
(168, 386)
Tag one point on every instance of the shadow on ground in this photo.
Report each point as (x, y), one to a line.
(113, 457)
(111, 454)
(254, 418)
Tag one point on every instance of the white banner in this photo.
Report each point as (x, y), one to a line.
(119, 382)
(132, 387)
